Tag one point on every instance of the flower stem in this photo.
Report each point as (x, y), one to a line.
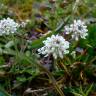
(64, 67)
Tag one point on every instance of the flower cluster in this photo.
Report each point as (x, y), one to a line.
(8, 26)
(77, 30)
(55, 45)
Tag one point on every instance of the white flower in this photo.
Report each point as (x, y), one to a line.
(73, 53)
(55, 45)
(77, 29)
(68, 30)
(24, 23)
(8, 26)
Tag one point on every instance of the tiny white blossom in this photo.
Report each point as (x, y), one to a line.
(55, 45)
(24, 23)
(8, 26)
(73, 53)
(77, 29)
(68, 29)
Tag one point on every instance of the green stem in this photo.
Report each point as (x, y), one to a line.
(15, 44)
(65, 68)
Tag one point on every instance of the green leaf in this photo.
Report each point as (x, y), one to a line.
(21, 79)
(89, 90)
(2, 61)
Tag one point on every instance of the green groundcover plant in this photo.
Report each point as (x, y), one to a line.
(47, 48)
